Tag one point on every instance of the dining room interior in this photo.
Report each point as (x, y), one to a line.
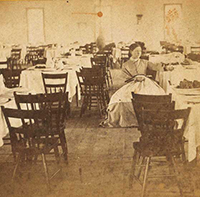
(99, 98)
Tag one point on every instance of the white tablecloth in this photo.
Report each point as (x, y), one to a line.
(190, 72)
(5, 95)
(83, 61)
(192, 132)
(32, 80)
(3, 126)
(169, 58)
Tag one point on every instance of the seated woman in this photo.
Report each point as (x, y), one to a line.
(120, 110)
(135, 65)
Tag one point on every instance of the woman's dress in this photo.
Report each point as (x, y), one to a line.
(120, 109)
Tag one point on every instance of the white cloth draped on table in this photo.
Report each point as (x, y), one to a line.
(3, 126)
(191, 132)
(32, 80)
(2, 85)
(190, 72)
(120, 109)
(175, 57)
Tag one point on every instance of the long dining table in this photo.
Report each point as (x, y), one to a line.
(31, 78)
(184, 98)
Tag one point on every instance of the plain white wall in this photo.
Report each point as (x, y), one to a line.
(62, 26)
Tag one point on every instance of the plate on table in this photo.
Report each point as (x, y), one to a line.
(188, 91)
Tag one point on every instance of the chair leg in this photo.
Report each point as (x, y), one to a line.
(107, 97)
(121, 62)
(46, 170)
(64, 146)
(56, 153)
(140, 169)
(102, 101)
(90, 97)
(77, 96)
(110, 76)
(84, 105)
(99, 105)
(177, 176)
(183, 152)
(16, 166)
(13, 152)
(145, 176)
(68, 109)
(132, 174)
(108, 81)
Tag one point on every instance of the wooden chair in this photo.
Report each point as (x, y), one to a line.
(40, 60)
(11, 78)
(93, 47)
(124, 55)
(93, 89)
(109, 64)
(41, 52)
(151, 73)
(157, 106)
(167, 98)
(162, 136)
(195, 50)
(31, 54)
(99, 61)
(32, 138)
(194, 56)
(14, 64)
(102, 62)
(56, 82)
(157, 102)
(108, 51)
(16, 53)
(56, 103)
(83, 48)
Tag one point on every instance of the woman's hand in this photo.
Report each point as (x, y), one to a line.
(136, 78)
(168, 68)
(139, 78)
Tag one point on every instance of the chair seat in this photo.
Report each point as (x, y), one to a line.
(152, 149)
(149, 150)
(43, 145)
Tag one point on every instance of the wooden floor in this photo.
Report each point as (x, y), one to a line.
(100, 161)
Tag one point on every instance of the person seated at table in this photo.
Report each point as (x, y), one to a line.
(120, 112)
(135, 65)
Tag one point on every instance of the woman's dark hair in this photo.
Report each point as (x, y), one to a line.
(132, 47)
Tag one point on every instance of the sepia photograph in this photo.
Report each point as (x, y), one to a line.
(99, 98)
